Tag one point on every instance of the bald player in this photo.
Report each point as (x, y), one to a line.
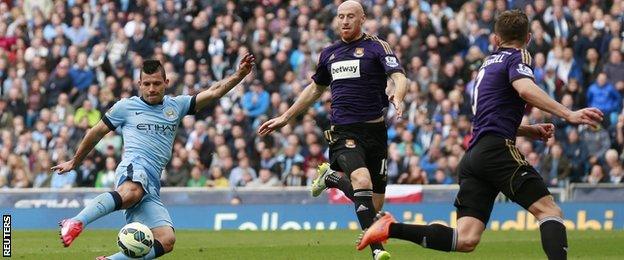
(356, 69)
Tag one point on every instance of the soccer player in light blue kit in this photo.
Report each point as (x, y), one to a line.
(148, 125)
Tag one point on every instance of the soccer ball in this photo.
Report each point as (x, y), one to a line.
(135, 240)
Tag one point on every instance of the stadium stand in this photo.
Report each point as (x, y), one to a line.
(63, 64)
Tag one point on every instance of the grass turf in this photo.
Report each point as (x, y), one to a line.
(312, 245)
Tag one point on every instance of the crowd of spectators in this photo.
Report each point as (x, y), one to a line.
(63, 64)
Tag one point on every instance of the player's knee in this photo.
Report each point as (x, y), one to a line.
(131, 193)
(467, 243)
(555, 210)
(361, 184)
(551, 211)
(165, 237)
(168, 243)
(545, 207)
(360, 179)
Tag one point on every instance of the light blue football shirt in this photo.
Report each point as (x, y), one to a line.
(149, 130)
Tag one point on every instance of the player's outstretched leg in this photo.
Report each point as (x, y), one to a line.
(378, 232)
(553, 232)
(434, 236)
(328, 178)
(164, 239)
(102, 205)
(125, 196)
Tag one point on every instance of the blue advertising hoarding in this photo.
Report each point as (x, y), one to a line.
(506, 216)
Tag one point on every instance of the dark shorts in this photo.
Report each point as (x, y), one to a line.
(360, 145)
(495, 165)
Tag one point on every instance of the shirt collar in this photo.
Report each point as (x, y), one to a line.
(354, 41)
(145, 101)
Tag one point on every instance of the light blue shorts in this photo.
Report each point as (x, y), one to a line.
(150, 211)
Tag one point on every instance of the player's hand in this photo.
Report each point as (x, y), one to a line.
(64, 167)
(541, 131)
(398, 106)
(589, 116)
(272, 125)
(246, 63)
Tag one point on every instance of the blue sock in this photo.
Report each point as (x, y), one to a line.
(156, 251)
(102, 205)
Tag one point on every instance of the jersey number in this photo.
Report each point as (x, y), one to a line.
(475, 91)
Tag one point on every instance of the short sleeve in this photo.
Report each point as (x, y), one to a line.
(322, 76)
(186, 104)
(386, 57)
(519, 66)
(116, 115)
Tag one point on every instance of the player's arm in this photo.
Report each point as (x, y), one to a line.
(93, 136)
(534, 95)
(537, 131)
(391, 66)
(320, 80)
(400, 89)
(523, 130)
(310, 94)
(222, 87)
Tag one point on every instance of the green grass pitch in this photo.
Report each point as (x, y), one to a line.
(312, 245)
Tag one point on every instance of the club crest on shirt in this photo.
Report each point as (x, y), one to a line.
(391, 61)
(350, 143)
(170, 113)
(359, 52)
(524, 70)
